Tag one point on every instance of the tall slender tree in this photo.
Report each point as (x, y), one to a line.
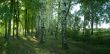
(65, 10)
(17, 20)
(43, 16)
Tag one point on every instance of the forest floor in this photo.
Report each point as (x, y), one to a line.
(32, 46)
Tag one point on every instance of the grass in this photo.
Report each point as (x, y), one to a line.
(30, 45)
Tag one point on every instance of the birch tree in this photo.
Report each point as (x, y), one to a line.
(65, 10)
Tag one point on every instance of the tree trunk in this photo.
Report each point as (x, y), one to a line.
(57, 21)
(26, 22)
(9, 22)
(84, 26)
(92, 23)
(5, 29)
(65, 12)
(17, 19)
(43, 13)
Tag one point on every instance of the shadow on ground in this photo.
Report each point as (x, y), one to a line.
(51, 46)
